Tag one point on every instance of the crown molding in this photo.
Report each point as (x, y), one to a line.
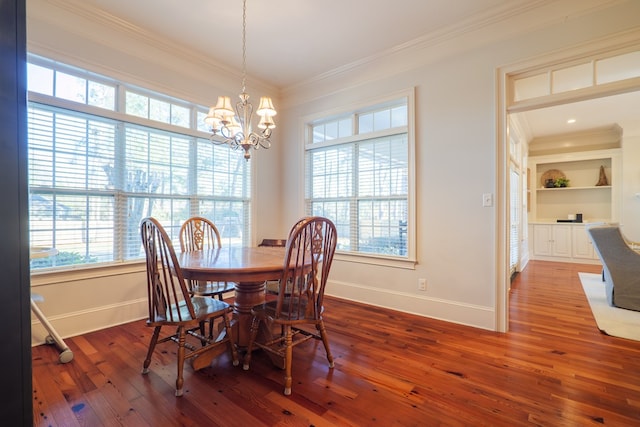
(601, 138)
(495, 24)
(485, 19)
(141, 36)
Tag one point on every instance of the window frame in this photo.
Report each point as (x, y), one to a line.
(195, 135)
(308, 122)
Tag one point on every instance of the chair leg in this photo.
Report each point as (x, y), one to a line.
(230, 340)
(181, 353)
(202, 333)
(211, 321)
(325, 341)
(288, 356)
(152, 346)
(255, 323)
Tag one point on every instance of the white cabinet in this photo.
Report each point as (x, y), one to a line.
(565, 242)
(552, 240)
(581, 246)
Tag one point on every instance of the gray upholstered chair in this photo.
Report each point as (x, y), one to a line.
(621, 266)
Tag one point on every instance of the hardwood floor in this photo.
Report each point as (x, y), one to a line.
(554, 368)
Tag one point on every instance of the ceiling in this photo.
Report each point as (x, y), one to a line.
(596, 113)
(292, 41)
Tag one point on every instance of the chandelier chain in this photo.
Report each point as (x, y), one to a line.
(244, 45)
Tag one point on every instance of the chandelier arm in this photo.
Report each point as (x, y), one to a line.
(254, 140)
(239, 138)
(226, 132)
(218, 139)
(265, 143)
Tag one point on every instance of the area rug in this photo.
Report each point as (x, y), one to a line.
(617, 322)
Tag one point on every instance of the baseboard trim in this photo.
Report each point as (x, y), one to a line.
(435, 308)
(85, 321)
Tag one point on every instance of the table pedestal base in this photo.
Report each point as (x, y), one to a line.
(249, 295)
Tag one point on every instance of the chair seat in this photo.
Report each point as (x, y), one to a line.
(212, 288)
(267, 311)
(273, 287)
(204, 308)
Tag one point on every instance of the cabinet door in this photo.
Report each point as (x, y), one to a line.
(561, 240)
(582, 246)
(542, 239)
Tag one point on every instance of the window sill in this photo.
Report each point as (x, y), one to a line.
(72, 274)
(405, 263)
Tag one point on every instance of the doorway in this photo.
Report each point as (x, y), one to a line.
(617, 79)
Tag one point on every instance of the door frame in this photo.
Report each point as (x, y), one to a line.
(629, 41)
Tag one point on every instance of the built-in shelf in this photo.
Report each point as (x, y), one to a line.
(600, 187)
(582, 169)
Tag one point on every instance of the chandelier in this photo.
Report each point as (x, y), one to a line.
(232, 126)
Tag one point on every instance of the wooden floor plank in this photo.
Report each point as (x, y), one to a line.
(392, 369)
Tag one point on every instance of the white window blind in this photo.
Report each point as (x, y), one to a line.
(357, 174)
(71, 199)
(92, 178)
(514, 221)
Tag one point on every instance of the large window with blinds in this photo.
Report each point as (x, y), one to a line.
(103, 155)
(358, 173)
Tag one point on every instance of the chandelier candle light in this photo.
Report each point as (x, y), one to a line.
(233, 127)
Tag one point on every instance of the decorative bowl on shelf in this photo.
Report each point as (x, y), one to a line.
(550, 177)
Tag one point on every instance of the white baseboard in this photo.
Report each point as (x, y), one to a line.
(450, 311)
(85, 321)
(82, 322)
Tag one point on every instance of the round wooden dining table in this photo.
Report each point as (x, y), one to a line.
(248, 267)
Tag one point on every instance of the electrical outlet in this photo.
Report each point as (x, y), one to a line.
(422, 284)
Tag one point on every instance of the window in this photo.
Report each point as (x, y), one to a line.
(95, 172)
(149, 107)
(593, 72)
(358, 173)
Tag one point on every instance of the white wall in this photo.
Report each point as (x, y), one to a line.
(456, 157)
(631, 187)
(85, 300)
(456, 152)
